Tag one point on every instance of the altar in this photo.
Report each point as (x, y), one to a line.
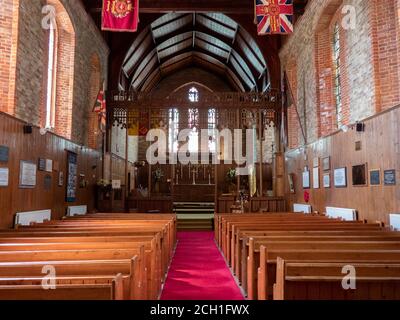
(194, 193)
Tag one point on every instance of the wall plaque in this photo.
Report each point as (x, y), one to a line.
(306, 180)
(60, 179)
(316, 178)
(326, 163)
(4, 173)
(390, 177)
(4, 153)
(49, 165)
(42, 164)
(27, 174)
(359, 174)
(375, 177)
(72, 176)
(327, 180)
(340, 178)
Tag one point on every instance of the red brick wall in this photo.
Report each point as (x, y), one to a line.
(370, 72)
(95, 85)
(293, 120)
(25, 48)
(385, 22)
(324, 65)
(9, 14)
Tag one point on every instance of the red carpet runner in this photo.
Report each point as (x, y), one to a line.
(198, 271)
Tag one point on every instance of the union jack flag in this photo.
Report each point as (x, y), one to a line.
(274, 16)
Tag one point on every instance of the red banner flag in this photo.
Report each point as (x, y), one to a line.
(120, 15)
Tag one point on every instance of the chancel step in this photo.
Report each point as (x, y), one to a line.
(194, 207)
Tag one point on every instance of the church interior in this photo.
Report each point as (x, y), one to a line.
(216, 150)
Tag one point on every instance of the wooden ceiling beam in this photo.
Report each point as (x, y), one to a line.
(164, 6)
(223, 6)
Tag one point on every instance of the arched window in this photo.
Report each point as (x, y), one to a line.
(59, 89)
(51, 75)
(337, 74)
(212, 125)
(193, 123)
(173, 125)
(193, 95)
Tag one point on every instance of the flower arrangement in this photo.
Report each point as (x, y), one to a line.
(231, 175)
(158, 175)
(103, 183)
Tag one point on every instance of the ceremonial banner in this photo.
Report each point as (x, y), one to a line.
(100, 104)
(100, 109)
(274, 16)
(133, 122)
(120, 15)
(144, 123)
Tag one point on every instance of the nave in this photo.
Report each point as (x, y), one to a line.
(165, 150)
(282, 256)
(198, 271)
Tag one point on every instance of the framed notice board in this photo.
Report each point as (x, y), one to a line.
(4, 152)
(72, 177)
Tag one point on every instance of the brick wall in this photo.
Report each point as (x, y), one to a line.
(369, 64)
(95, 82)
(24, 43)
(9, 14)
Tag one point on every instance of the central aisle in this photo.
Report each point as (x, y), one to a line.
(198, 271)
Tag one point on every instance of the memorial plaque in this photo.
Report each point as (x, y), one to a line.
(4, 153)
(390, 177)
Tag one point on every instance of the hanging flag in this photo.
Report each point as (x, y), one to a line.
(252, 180)
(120, 15)
(274, 16)
(100, 109)
(144, 123)
(100, 104)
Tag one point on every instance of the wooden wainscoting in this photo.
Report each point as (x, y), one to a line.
(380, 149)
(31, 147)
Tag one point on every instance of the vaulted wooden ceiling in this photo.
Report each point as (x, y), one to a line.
(211, 40)
(218, 35)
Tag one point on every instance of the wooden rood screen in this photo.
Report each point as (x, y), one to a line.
(141, 112)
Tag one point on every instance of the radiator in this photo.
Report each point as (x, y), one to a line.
(395, 221)
(27, 218)
(76, 211)
(342, 213)
(302, 208)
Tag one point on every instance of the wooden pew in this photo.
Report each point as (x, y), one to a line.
(82, 270)
(268, 258)
(294, 225)
(253, 259)
(316, 281)
(316, 226)
(97, 230)
(150, 276)
(93, 232)
(106, 291)
(101, 238)
(362, 235)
